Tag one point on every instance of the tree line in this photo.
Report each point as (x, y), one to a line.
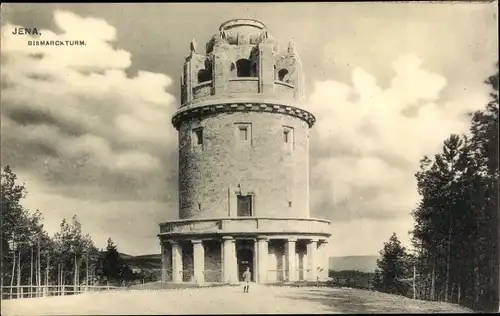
(456, 229)
(31, 257)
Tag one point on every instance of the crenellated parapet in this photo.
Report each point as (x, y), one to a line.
(242, 58)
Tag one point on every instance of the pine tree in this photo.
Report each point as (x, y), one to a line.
(392, 267)
(29, 254)
(21, 229)
(112, 268)
(456, 221)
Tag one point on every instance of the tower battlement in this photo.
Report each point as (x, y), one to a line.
(242, 60)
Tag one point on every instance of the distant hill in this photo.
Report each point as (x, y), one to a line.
(143, 262)
(357, 263)
(125, 256)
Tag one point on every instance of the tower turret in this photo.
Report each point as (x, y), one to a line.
(242, 59)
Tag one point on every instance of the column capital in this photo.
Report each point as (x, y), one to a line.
(173, 242)
(262, 238)
(227, 238)
(291, 239)
(197, 241)
(313, 240)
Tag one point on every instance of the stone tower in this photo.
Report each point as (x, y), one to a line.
(243, 165)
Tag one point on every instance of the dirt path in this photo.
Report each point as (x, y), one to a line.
(225, 300)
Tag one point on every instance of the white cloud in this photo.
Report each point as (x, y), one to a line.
(120, 120)
(132, 225)
(365, 236)
(373, 138)
(105, 133)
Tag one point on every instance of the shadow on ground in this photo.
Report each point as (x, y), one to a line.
(170, 286)
(351, 301)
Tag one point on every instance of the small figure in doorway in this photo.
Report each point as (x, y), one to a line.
(247, 276)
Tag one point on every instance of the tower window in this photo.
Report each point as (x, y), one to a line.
(283, 75)
(244, 132)
(233, 70)
(244, 205)
(198, 135)
(255, 72)
(203, 75)
(243, 67)
(288, 137)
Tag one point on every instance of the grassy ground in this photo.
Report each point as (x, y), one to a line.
(226, 300)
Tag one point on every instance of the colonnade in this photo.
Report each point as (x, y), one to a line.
(316, 265)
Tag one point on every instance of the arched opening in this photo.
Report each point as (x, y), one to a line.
(255, 72)
(245, 259)
(203, 75)
(283, 75)
(232, 69)
(244, 67)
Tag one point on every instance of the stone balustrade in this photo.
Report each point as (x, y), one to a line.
(253, 225)
(246, 85)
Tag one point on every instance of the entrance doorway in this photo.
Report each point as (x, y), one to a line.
(245, 259)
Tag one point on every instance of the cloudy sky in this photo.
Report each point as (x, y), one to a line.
(88, 127)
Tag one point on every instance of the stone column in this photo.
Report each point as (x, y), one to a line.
(220, 73)
(291, 259)
(263, 253)
(229, 264)
(198, 261)
(312, 265)
(166, 262)
(325, 259)
(266, 69)
(188, 79)
(176, 262)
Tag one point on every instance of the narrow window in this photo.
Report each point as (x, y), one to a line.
(243, 133)
(243, 67)
(233, 70)
(198, 135)
(244, 205)
(203, 75)
(283, 75)
(286, 136)
(255, 70)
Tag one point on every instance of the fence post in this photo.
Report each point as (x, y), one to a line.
(22, 291)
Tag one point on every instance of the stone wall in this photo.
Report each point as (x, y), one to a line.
(187, 261)
(213, 262)
(274, 172)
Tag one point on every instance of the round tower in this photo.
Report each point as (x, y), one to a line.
(243, 164)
